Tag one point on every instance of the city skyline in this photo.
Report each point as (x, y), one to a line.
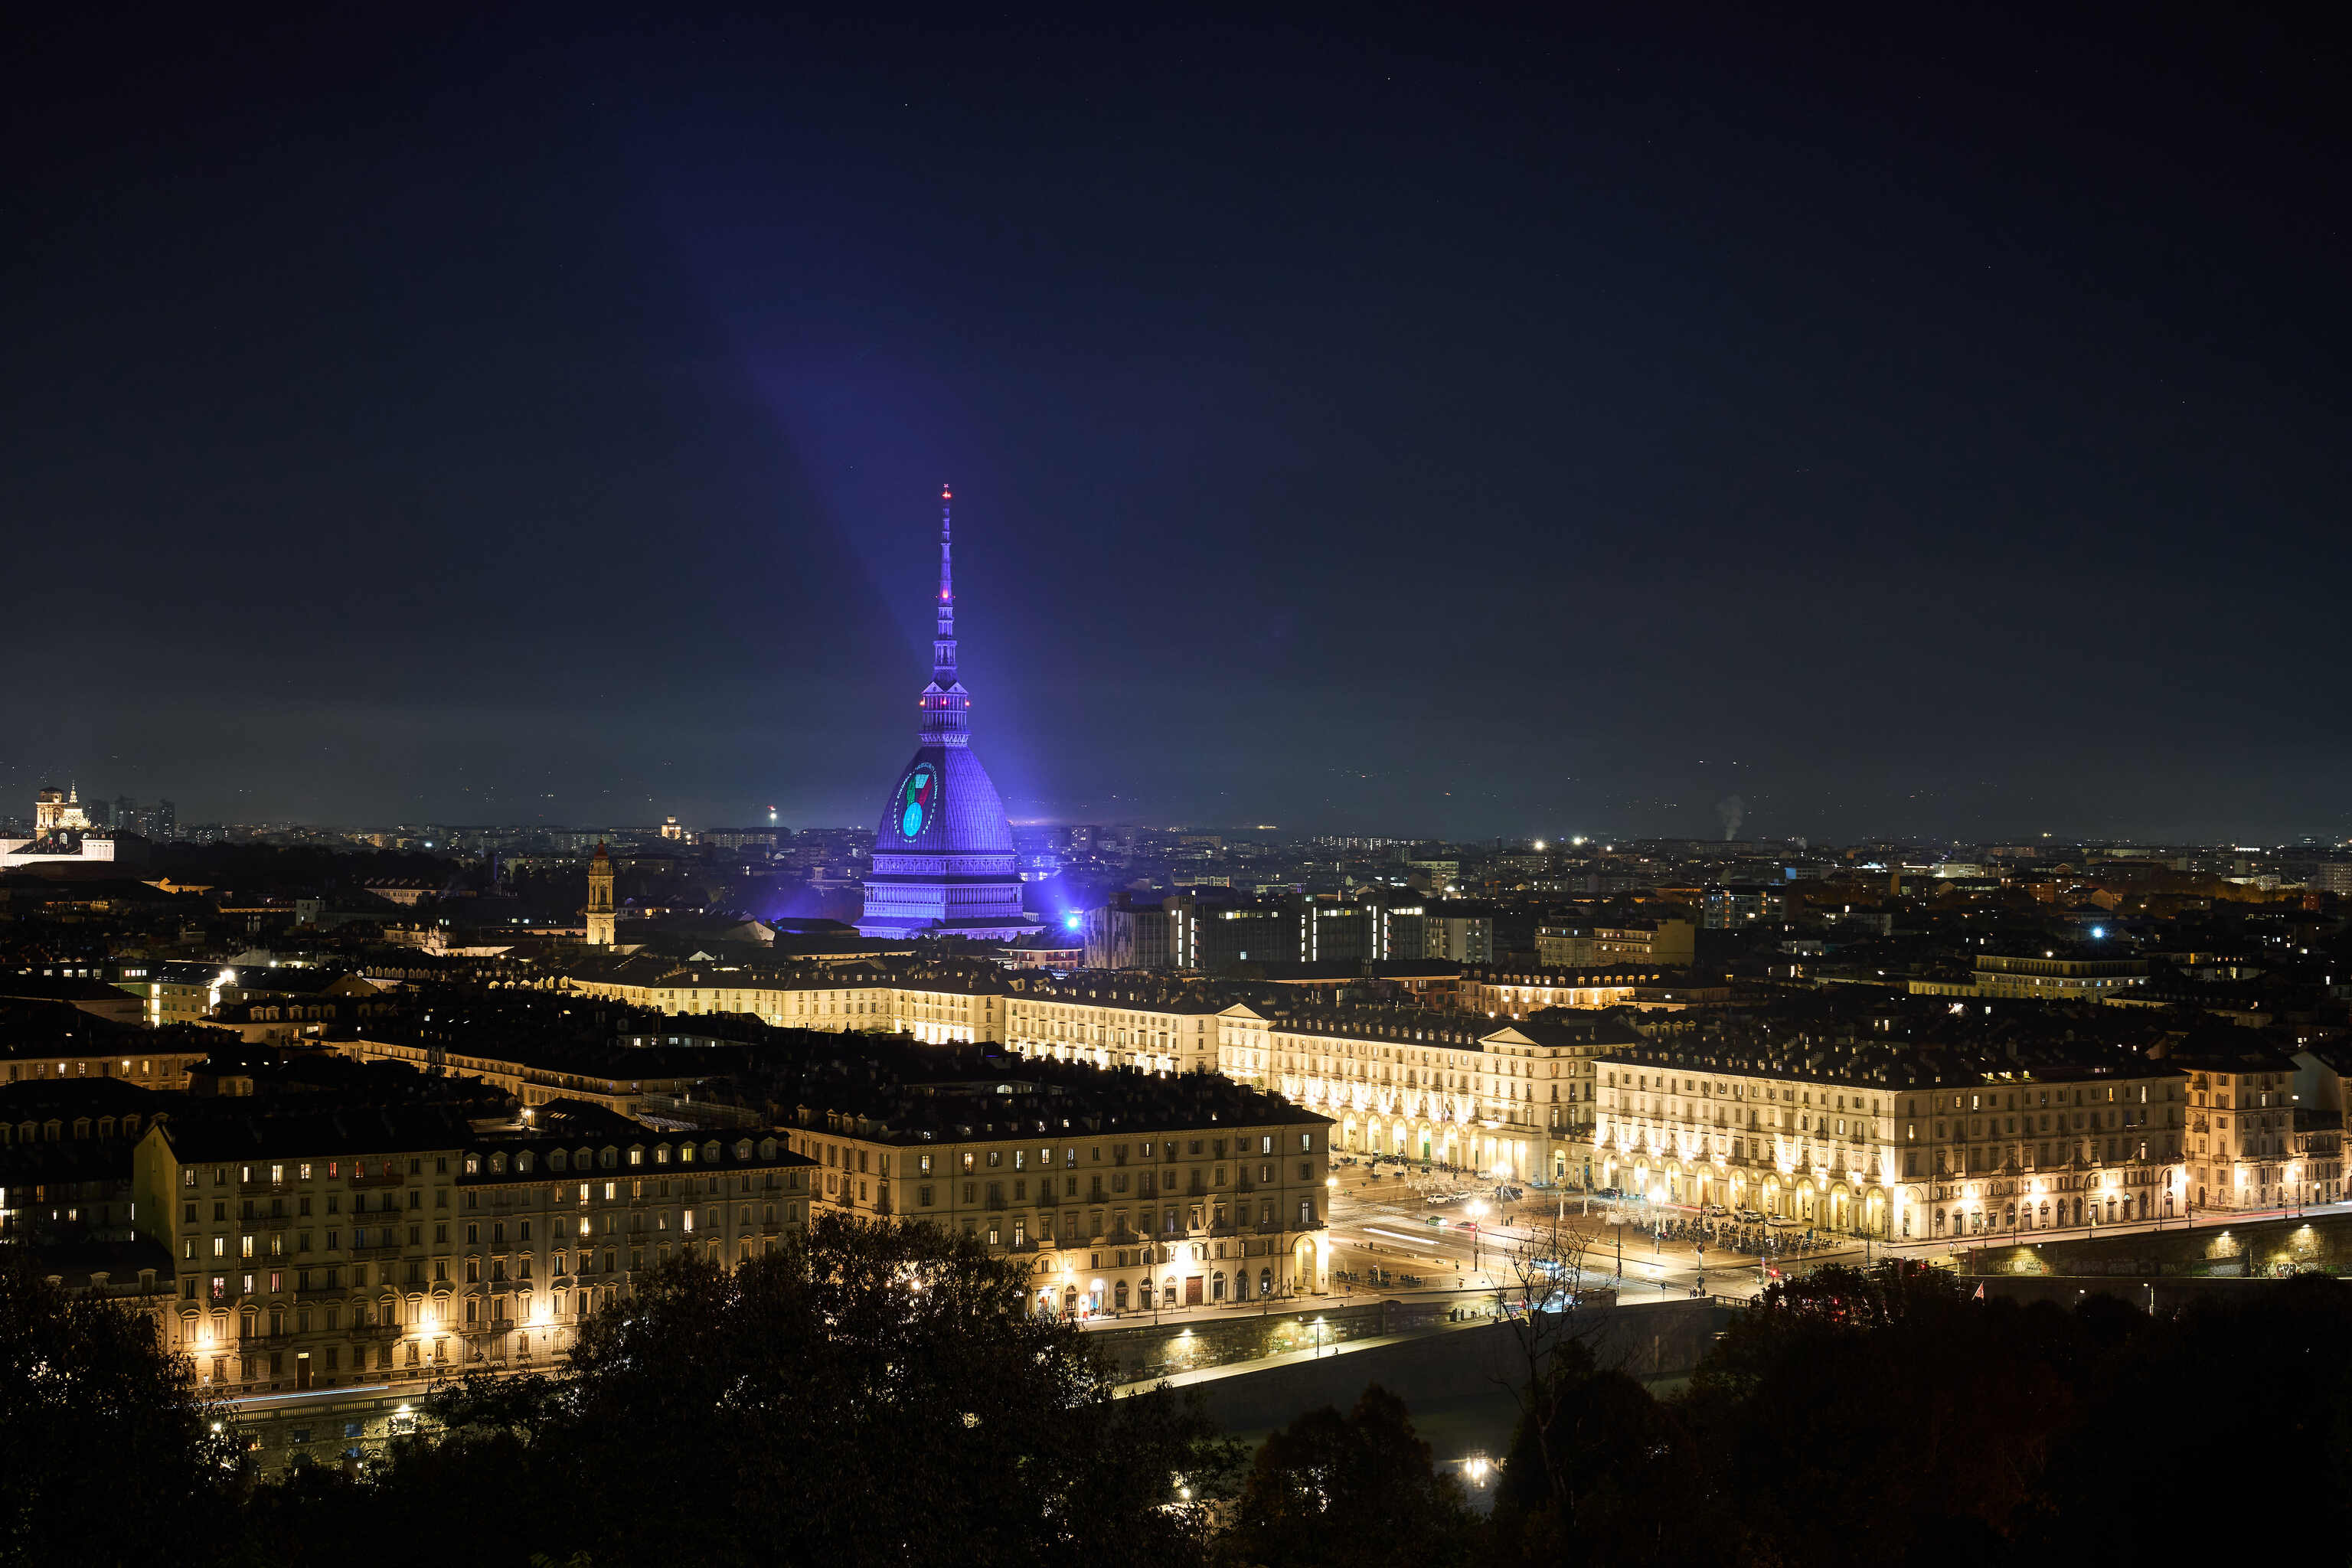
(1503, 433)
(1632, 846)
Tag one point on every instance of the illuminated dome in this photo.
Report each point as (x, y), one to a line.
(943, 852)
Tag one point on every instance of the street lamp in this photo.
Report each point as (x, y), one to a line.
(1477, 1213)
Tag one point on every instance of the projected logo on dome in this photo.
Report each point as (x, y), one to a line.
(918, 798)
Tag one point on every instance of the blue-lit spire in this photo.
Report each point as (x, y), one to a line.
(945, 704)
(943, 668)
(943, 860)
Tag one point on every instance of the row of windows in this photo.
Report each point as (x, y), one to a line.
(1174, 1221)
(1047, 1156)
(54, 1129)
(275, 1173)
(415, 1271)
(2013, 1100)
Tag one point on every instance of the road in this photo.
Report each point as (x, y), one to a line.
(1382, 1222)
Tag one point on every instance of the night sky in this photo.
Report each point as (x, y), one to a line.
(1432, 428)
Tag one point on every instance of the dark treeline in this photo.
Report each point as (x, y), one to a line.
(1890, 1417)
(878, 1395)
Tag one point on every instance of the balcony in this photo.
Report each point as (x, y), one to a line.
(360, 1179)
(364, 1331)
(382, 1249)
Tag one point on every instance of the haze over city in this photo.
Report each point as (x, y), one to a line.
(1454, 433)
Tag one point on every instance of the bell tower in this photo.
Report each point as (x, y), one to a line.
(600, 899)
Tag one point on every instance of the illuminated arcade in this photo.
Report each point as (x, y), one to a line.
(943, 853)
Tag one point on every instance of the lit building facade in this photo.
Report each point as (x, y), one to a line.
(1500, 994)
(1740, 905)
(1115, 1022)
(535, 1082)
(151, 1068)
(1157, 1202)
(1871, 1141)
(2049, 978)
(943, 1008)
(2243, 1153)
(1409, 1084)
(1124, 935)
(319, 1251)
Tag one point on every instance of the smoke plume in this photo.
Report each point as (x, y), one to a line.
(1732, 810)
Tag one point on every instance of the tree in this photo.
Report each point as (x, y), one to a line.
(1598, 1471)
(1358, 1490)
(1885, 1417)
(107, 1451)
(1553, 1302)
(874, 1392)
(2253, 1374)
